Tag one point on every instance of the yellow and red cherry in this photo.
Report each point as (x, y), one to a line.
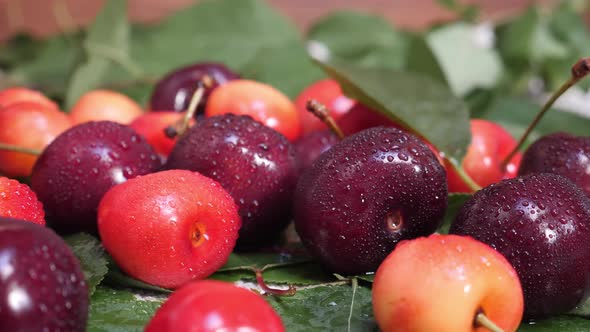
(105, 105)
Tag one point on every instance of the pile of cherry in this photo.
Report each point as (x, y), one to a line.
(171, 195)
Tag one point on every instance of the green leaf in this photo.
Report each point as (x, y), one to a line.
(287, 68)
(119, 279)
(362, 39)
(326, 308)
(560, 323)
(91, 256)
(455, 49)
(113, 310)
(18, 49)
(106, 45)
(415, 101)
(421, 59)
(456, 201)
(583, 309)
(515, 114)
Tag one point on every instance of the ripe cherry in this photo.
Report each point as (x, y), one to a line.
(260, 101)
(328, 93)
(446, 283)
(80, 165)
(18, 201)
(43, 287)
(209, 305)
(312, 145)
(490, 144)
(27, 125)
(170, 227)
(175, 90)
(105, 105)
(152, 126)
(17, 95)
(361, 117)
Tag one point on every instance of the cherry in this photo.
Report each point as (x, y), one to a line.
(258, 100)
(541, 224)
(210, 305)
(367, 193)
(446, 283)
(152, 126)
(19, 94)
(80, 165)
(43, 287)
(29, 126)
(174, 91)
(185, 221)
(361, 117)
(18, 201)
(105, 105)
(490, 144)
(254, 163)
(562, 154)
(328, 93)
(312, 145)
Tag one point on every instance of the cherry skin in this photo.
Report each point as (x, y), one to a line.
(43, 287)
(175, 90)
(367, 193)
(18, 201)
(360, 117)
(80, 165)
(540, 223)
(328, 93)
(258, 100)
(209, 305)
(562, 154)
(312, 145)
(17, 95)
(490, 144)
(152, 126)
(105, 105)
(186, 222)
(27, 125)
(254, 163)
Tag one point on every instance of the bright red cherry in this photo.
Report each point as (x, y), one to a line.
(152, 126)
(328, 93)
(16, 95)
(105, 105)
(170, 227)
(490, 144)
(209, 305)
(28, 125)
(260, 101)
(18, 201)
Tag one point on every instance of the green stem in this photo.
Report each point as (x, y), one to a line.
(482, 320)
(579, 71)
(461, 173)
(19, 149)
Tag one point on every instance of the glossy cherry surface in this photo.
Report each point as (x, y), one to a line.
(312, 145)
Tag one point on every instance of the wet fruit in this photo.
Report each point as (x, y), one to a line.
(175, 90)
(312, 145)
(328, 93)
(80, 165)
(254, 163)
(28, 125)
(186, 222)
(210, 305)
(18, 201)
(43, 287)
(367, 193)
(105, 105)
(442, 282)
(562, 154)
(152, 126)
(541, 224)
(260, 101)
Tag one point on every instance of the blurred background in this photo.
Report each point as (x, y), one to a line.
(46, 17)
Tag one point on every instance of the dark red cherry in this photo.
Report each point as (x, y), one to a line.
(174, 91)
(541, 224)
(253, 162)
(312, 145)
(367, 193)
(42, 286)
(80, 165)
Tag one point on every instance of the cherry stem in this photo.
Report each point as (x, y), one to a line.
(579, 70)
(321, 112)
(20, 149)
(273, 291)
(482, 320)
(464, 176)
(182, 125)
